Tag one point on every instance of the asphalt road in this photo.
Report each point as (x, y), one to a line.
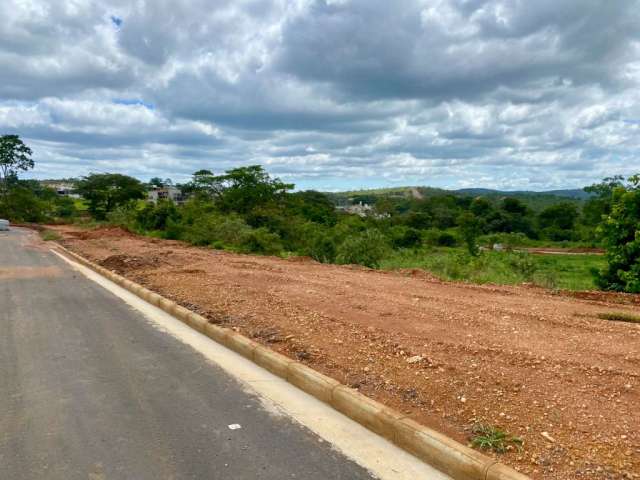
(90, 390)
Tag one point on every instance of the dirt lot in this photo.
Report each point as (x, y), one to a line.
(539, 364)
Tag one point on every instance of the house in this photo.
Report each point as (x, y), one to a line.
(165, 193)
(64, 189)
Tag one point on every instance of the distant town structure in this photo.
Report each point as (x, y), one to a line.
(62, 188)
(360, 209)
(165, 193)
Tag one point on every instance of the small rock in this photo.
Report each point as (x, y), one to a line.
(548, 437)
(415, 359)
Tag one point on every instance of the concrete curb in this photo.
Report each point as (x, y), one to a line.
(440, 451)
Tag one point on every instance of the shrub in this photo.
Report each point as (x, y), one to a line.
(621, 233)
(405, 237)
(323, 247)
(50, 235)
(261, 240)
(156, 216)
(123, 216)
(469, 230)
(522, 264)
(367, 248)
(439, 238)
(219, 230)
(20, 204)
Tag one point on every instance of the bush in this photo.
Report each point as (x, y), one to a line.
(156, 216)
(219, 230)
(621, 233)
(322, 247)
(439, 238)
(65, 207)
(405, 237)
(367, 248)
(522, 264)
(261, 240)
(22, 205)
(469, 230)
(123, 216)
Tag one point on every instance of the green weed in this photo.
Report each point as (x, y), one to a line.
(488, 437)
(50, 235)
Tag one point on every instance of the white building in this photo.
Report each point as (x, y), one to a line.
(165, 193)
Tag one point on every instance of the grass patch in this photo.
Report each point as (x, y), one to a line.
(50, 235)
(568, 272)
(571, 272)
(619, 317)
(488, 437)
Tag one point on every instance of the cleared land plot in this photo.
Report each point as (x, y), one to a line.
(539, 365)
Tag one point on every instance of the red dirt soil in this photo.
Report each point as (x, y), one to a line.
(539, 364)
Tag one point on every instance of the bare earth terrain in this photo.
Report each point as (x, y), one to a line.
(539, 364)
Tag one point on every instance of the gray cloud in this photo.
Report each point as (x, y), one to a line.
(327, 93)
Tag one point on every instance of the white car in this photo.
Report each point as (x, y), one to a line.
(4, 224)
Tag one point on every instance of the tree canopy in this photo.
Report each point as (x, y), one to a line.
(15, 156)
(106, 191)
(621, 234)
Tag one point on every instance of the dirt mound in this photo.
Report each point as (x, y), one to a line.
(127, 263)
(98, 233)
(418, 273)
(605, 297)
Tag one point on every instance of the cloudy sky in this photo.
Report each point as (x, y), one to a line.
(328, 94)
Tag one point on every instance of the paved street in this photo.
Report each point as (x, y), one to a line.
(90, 390)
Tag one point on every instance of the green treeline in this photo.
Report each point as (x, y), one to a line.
(247, 210)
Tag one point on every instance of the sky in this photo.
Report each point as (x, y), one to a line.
(331, 94)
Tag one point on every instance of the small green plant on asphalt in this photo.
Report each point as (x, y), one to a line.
(619, 317)
(50, 235)
(488, 437)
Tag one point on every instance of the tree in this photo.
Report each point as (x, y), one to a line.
(469, 230)
(203, 183)
(14, 157)
(156, 182)
(599, 205)
(243, 189)
(558, 221)
(481, 207)
(106, 191)
(514, 206)
(314, 206)
(621, 234)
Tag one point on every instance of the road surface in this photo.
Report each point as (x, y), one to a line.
(90, 390)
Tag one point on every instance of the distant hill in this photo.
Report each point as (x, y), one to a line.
(534, 200)
(576, 193)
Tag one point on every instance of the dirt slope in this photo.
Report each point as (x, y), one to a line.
(524, 359)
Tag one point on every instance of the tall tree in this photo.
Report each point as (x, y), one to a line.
(245, 188)
(621, 234)
(15, 156)
(106, 191)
